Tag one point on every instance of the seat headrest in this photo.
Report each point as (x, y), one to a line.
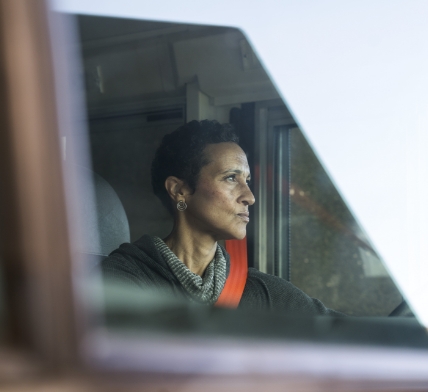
(104, 224)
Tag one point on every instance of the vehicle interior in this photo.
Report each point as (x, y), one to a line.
(145, 79)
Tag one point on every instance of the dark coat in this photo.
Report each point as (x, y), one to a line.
(141, 264)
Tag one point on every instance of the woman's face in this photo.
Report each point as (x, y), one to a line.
(219, 205)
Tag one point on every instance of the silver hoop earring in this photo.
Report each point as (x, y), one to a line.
(181, 205)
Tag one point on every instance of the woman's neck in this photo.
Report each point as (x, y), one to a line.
(195, 251)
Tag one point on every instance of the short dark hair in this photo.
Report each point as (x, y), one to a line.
(181, 154)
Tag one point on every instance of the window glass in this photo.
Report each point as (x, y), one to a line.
(330, 257)
(143, 80)
(306, 233)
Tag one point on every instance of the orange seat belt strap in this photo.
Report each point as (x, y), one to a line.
(235, 282)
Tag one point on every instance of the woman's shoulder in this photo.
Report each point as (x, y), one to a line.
(275, 293)
(136, 262)
(131, 254)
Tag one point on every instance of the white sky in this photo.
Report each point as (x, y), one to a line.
(355, 75)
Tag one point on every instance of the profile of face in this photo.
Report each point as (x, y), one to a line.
(219, 205)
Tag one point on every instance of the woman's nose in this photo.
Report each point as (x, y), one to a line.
(248, 197)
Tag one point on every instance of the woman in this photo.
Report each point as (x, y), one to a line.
(202, 177)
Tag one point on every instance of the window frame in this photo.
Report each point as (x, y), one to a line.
(38, 249)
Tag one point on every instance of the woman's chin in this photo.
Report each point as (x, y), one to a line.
(239, 235)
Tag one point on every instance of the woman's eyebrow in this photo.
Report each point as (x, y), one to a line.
(232, 171)
(236, 171)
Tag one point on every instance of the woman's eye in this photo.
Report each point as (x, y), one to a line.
(232, 178)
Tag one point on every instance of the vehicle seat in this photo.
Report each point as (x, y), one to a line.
(104, 224)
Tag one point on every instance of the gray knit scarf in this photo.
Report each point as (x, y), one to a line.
(205, 289)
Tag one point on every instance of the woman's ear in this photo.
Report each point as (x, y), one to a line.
(176, 188)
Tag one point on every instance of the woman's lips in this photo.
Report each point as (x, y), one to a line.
(245, 216)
